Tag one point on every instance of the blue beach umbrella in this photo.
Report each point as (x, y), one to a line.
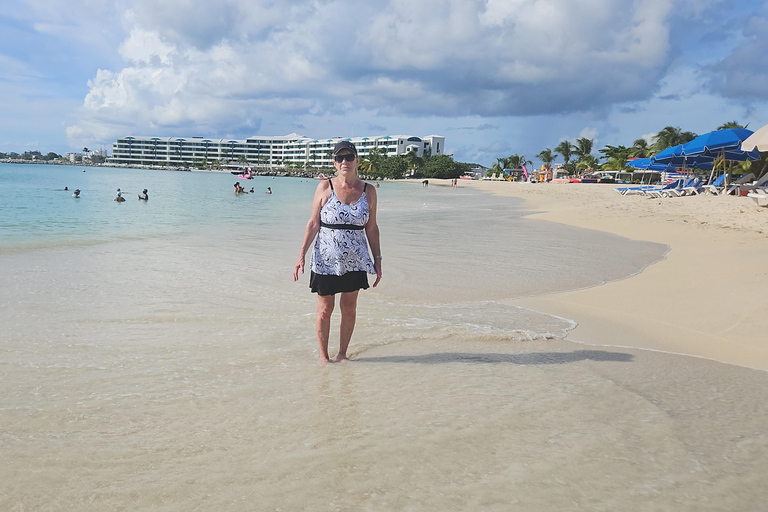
(648, 164)
(645, 164)
(675, 156)
(712, 143)
(721, 143)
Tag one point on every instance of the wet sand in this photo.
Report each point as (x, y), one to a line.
(705, 299)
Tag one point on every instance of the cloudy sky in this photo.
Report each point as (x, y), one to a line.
(495, 77)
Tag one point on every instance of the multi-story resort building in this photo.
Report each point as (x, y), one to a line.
(261, 151)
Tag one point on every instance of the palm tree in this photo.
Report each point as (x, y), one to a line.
(413, 160)
(615, 164)
(547, 157)
(640, 149)
(497, 169)
(583, 147)
(589, 162)
(671, 136)
(615, 152)
(731, 125)
(565, 150)
(517, 161)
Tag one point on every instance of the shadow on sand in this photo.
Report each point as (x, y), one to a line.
(531, 358)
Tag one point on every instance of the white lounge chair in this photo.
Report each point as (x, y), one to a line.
(757, 184)
(683, 189)
(716, 186)
(759, 196)
(657, 192)
(733, 188)
(694, 189)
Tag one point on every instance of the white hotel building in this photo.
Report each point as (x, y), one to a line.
(262, 151)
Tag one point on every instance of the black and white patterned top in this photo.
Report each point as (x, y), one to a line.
(338, 250)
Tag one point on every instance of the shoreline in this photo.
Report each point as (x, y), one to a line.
(703, 299)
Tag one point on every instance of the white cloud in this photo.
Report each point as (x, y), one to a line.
(233, 63)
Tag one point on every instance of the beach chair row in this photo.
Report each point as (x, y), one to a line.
(746, 185)
(677, 188)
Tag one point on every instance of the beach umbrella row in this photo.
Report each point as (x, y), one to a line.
(704, 149)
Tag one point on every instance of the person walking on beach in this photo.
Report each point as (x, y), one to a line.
(342, 225)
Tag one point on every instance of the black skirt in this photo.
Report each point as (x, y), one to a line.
(323, 284)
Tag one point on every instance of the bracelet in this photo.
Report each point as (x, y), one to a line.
(377, 257)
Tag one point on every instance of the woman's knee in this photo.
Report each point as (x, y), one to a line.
(348, 304)
(325, 305)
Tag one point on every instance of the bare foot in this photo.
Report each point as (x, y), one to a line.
(340, 358)
(324, 361)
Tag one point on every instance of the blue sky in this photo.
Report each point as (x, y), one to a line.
(494, 77)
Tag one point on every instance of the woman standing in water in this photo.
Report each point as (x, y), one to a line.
(343, 224)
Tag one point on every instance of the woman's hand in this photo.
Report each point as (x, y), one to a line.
(299, 268)
(377, 268)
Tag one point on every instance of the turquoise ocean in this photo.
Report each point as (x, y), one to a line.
(158, 356)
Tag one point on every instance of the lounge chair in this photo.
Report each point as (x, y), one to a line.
(716, 186)
(681, 190)
(733, 188)
(759, 196)
(660, 192)
(690, 187)
(634, 190)
(748, 187)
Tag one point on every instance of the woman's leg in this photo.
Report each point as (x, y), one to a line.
(348, 305)
(325, 305)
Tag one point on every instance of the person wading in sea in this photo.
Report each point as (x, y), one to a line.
(343, 225)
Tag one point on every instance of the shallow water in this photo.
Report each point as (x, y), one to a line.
(158, 356)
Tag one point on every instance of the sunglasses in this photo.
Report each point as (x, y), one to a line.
(349, 157)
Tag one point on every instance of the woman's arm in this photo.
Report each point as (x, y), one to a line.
(313, 226)
(372, 232)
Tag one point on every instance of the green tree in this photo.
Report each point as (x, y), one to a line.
(442, 167)
(371, 163)
(547, 157)
(616, 153)
(587, 163)
(393, 167)
(671, 136)
(614, 164)
(731, 125)
(496, 169)
(414, 162)
(516, 161)
(640, 149)
(565, 149)
(583, 148)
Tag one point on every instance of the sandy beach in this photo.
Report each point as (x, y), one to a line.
(175, 368)
(705, 299)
